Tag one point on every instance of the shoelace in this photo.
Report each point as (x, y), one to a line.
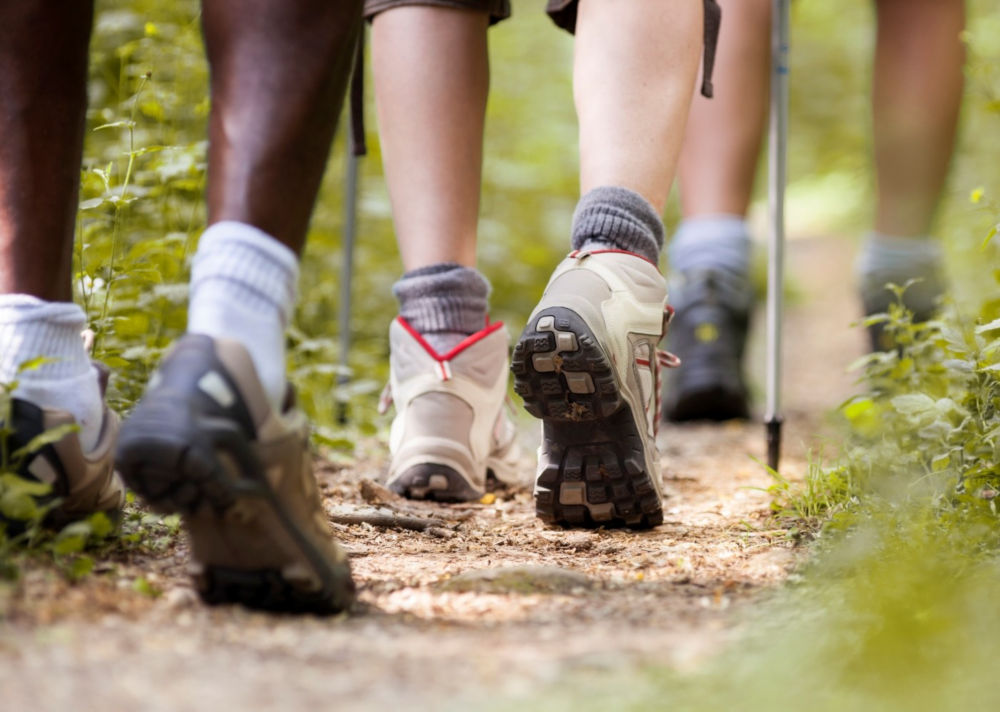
(666, 360)
(385, 399)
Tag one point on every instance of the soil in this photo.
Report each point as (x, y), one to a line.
(489, 603)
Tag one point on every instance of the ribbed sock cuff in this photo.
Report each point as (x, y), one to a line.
(710, 243)
(890, 254)
(445, 297)
(617, 218)
(30, 328)
(250, 264)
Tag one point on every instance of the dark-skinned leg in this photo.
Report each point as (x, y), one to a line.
(207, 439)
(43, 72)
(279, 70)
(278, 74)
(43, 98)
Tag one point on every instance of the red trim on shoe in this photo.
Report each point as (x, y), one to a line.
(461, 346)
(583, 253)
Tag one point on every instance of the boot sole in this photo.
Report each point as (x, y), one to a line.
(707, 395)
(206, 470)
(596, 473)
(438, 483)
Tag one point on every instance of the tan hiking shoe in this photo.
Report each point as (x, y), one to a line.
(83, 482)
(450, 427)
(205, 442)
(587, 365)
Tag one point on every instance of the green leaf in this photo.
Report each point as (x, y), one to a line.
(69, 545)
(124, 124)
(80, 567)
(989, 236)
(52, 435)
(34, 364)
(141, 585)
(10, 482)
(941, 462)
(19, 507)
(91, 204)
(913, 403)
(995, 324)
(100, 525)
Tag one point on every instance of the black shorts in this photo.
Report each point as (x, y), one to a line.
(562, 12)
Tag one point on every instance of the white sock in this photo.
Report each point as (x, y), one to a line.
(243, 287)
(31, 327)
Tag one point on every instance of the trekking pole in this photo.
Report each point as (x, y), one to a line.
(356, 148)
(346, 274)
(777, 149)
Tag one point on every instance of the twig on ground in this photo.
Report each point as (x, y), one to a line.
(383, 518)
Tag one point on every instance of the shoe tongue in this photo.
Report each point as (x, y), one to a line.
(444, 341)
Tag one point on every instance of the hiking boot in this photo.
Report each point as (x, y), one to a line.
(82, 482)
(708, 334)
(920, 298)
(205, 442)
(587, 365)
(450, 428)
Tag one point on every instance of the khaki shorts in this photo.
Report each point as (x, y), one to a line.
(562, 12)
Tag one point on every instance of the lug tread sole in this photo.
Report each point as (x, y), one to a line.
(596, 476)
(438, 483)
(177, 468)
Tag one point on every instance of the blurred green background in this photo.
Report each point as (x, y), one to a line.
(144, 174)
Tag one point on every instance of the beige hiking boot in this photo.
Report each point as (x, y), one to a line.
(587, 365)
(450, 428)
(205, 442)
(82, 482)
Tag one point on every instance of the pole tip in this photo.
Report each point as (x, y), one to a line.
(773, 430)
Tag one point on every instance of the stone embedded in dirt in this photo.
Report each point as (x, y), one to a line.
(179, 598)
(374, 493)
(581, 541)
(518, 579)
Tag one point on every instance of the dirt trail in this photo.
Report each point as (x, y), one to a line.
(426, 634)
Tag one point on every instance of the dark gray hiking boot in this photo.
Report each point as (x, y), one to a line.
(921, 298)
(205, 442)
(587, 366)
(708, 334)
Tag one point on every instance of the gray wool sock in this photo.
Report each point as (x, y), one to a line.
(616, 218)
(715, 247)
(444, 303)
(711, 242)
(887, 258)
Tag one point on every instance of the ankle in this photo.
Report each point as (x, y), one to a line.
(617, 218)
(243, 287)
(444, 303)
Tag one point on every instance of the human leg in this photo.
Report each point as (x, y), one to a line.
(448, 368)
(431, 81)
(710, 252)
(586, 363)
(43, 71)
(916, 95)
(213, 438)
